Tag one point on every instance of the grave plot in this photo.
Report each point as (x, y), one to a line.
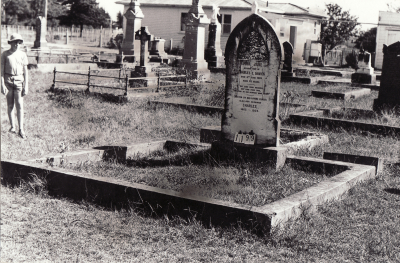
(342, 92)
(385, 115)
(170, 178)
(350, 119)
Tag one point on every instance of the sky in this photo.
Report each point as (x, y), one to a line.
(367, 11)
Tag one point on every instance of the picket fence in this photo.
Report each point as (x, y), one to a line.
(58, 35)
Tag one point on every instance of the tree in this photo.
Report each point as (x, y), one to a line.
(85, 12)
(339, 27)
(13, 11)
(367, 39)
(393, 7)
(120, 19)
(55, 9)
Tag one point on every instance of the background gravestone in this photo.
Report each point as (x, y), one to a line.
(130, 46)
(253, 61)
(389, 90)
(288, 59)
(193, 54)
(365, 73)
(214, 52)
(41, 28)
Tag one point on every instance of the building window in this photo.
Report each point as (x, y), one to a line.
(226, 22)
(282, 34)
(315, 31)
(183, 17)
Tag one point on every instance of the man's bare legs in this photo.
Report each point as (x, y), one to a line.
(14, 97)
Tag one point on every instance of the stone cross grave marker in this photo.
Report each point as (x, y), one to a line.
(389, 90)
(253, 61)
(288, 59)
(144, 36)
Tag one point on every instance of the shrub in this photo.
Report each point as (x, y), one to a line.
(352, 60)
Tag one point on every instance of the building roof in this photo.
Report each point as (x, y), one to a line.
(278, 8)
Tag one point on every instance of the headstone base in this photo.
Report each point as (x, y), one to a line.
(144, 72)
(385, 105)
(363, 78)
(287, 74)
(196, 70)
(158, 59)
(276, 156)
(216, 62)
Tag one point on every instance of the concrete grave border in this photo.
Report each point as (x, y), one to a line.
(119, 194)
(346, 95)
(316, 118)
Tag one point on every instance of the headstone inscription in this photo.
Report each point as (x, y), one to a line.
(389, 90)
(253, 62)
(288, 60)
(129, 46)
(41, 27)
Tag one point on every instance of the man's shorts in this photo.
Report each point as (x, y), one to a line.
(14, 82)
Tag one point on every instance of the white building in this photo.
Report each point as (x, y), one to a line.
(292, 23)
(387, 33)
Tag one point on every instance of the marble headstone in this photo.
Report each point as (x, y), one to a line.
(389, 90)
(253, 62)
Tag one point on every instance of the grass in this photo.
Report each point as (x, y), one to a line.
(387, 117)
(362, 227)
(248, 184)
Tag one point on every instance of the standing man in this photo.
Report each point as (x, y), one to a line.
(14, 81)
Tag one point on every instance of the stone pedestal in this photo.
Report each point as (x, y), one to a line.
(193, 55)
(213, 54)
(363, 78)
(274, 156)
(41, 30)
(141, 71)
(389, 90)
(157, 51)
(133, 17)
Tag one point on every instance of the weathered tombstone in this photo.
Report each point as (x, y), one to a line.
(158, 51)
(250, 122)
(193, 55)
(214, 56)
(144, 69)
(365, 73)
(389, 90)
(288, 60)
(41, 28)
(133, 16)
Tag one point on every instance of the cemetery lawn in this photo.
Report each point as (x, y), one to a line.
(362, 227)
(389, 118)
(243, 183)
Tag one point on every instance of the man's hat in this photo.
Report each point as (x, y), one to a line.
(15, 37)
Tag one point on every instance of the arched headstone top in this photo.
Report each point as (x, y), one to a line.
(393, 48)
(257, 30)
(287, 46)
